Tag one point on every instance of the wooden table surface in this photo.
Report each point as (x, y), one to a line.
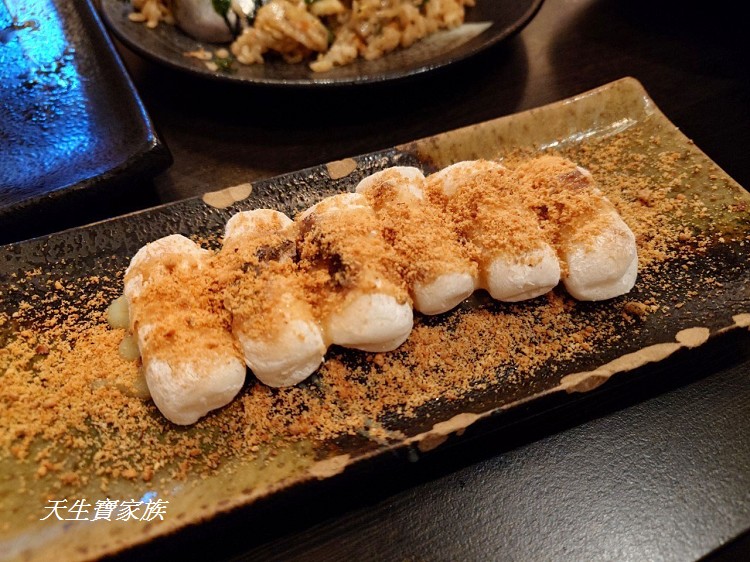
(659, 471)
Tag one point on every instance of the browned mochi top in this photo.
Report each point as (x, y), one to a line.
(489, 209)
(340, 251)
(564, 198)
(420, 233)
(257, 270)
(181, 291)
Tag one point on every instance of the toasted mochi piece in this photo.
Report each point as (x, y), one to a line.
(405, 183)
(448, 179)
(273, 323)
(437, 268)
(444, 292)
(370, 322)
(596, 245)
(596, 275)
(602, 264)
(190, 361)
(254, 223)
(351, 272)
(516, 278)
(516, 261)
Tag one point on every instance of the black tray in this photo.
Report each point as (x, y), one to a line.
(74, 132)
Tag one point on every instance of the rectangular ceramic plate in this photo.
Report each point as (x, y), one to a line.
(72, 122)
(479, 362)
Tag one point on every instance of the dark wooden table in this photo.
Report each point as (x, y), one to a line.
(659, 470)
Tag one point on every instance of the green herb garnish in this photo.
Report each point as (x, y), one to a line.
(224, 64)
(221, 7)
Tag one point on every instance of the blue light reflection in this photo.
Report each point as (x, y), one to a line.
(43, 114)
(149, 497)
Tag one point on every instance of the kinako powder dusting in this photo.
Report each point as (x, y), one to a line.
(74, 410)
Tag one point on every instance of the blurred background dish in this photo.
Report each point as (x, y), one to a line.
(487, 23)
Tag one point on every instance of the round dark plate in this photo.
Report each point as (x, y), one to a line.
(488, 23)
